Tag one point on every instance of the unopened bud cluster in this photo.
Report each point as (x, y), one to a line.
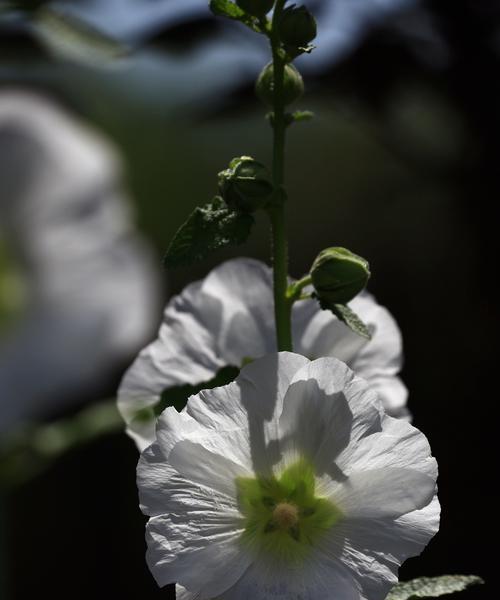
(293, 85)
(338, 275)
(246, 185)
(297, 28)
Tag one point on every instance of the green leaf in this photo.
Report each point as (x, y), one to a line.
(13, 291)
(290, 118)
(302, 115)
(177, 396)
(432, 587)
(207, 229)
(349, 317)
(225, 8)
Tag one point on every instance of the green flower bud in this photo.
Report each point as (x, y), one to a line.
(297, 27)
(293, 85)
(256, 8)
(338, 275)
(246, 185)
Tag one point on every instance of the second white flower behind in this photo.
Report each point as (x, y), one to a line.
(290, 482)
(227, 319)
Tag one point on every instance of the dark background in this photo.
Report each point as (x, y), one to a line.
(401, 166)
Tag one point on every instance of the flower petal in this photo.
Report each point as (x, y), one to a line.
(383, 493)
(153, 470)
(214, 460)
(194, 533)
(374, 549)
(199, 549)
(172, 427)
(383, 353)
(250, 403)
(393, 541)
(181, 593)
(195, 463)
(243, 289)
(220, 321)
(183, 353)
(392, 393)
(317, 579)
(319, 333)
(325, 409)
(398, 445)
(373, 578)
(152, 474)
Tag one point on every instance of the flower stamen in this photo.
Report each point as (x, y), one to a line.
(286, 515)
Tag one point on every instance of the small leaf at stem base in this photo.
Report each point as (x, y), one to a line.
(432, 587)
(349, 317)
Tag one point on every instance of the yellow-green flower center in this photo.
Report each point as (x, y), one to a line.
(283, 516)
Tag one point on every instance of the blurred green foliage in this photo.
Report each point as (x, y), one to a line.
(12, 289)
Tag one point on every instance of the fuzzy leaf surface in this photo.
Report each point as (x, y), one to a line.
(432, 587)
(349, 317)
(226, 8)
(207, 229)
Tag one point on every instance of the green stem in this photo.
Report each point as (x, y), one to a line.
(294, 291)
(35, 448)
(282, 306)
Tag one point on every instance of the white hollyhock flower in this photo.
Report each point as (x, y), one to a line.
(228, 319)
(90, 283)
(289, 483)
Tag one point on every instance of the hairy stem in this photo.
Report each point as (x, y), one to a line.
(282, 305)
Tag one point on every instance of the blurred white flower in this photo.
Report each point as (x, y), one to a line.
(228, 319)
(290, 482)
(91, 284)
(341, 25)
